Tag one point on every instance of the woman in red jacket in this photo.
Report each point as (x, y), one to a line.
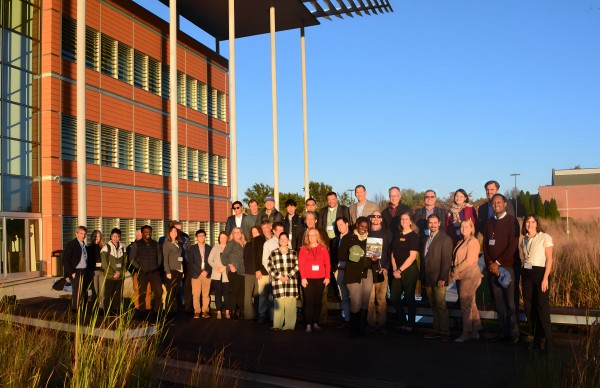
(314, 270)
(460, 210)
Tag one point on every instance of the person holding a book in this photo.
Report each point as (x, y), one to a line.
(378, 243)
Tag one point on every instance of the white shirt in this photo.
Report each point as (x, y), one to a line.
(238, 221)
(270, 245)
(533, 250)
(83, 262)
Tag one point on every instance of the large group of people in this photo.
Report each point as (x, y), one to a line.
(265, 261)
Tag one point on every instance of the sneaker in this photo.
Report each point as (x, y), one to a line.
(218, 315)
(463, 337)
(227, 315)
(316, 327)
(205, 315)
(308, 329)
(196, 315)
(432, 335)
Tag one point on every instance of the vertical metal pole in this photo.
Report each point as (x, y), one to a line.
(232, 103)
(173, 27)
(304, 113)
(567, 198)
(274, 94)
(81, 153)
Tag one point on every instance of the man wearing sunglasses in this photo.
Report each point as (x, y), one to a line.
(421, 214)
(235, 221)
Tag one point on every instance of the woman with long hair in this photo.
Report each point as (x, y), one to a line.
(536, 254)
(405, 271)
(219, 280)
(460, 210)
(282, 266)
(233, 258)
(173, 264)
(250, 281)
(467, 274)
(314, 265)
(96, 245)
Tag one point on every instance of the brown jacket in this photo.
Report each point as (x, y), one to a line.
(466, 256)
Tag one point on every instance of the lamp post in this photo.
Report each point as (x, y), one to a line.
(567, 199)
(515, 194)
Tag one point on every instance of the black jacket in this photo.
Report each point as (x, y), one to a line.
(146, 257)
(71, 257)
(195, 261)
(342, 211)
(296, 227)
(355, 271)
(420, 219)
(392, 223)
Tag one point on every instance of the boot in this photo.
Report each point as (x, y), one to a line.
(363, 322)
(355, 323)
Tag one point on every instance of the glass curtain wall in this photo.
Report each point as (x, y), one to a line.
(20, 134)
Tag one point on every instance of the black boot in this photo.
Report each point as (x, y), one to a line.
(363, 322)
(355, 324)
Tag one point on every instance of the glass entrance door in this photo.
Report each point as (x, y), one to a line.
(15, 245)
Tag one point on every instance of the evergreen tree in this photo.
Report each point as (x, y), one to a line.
(527, 204)
(522, 202)
(553, 212)
(540, 209)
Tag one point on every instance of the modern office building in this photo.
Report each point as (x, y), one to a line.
(576, 191)
(127, 136)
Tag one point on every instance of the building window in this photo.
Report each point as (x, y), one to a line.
(69, 39)
(108, 56)
(107, 225)
(92, 40)
(165, 91)
(68, 229)
(154, 76)
(17, 85)
(157, 228)
(92, 143)
(213, 170)
(155, 148)
(181, 94)
(17, 122)
(202, 97)
(127, 226)
(21, 17)
(203, 166)
(221, 106)
(192, 165)
(140, 70)
(142, 162)
(182, 161)
(17, 50)
(68, 131)
(125, 143)
(125, 59)
(94, 223)
(191, 97)
(109, 146)
(166, 160)
(222, 171)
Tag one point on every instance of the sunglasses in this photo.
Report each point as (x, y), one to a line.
(236, 207)
(375, 216)
(430, 196)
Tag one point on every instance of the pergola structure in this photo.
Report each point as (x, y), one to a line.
(218, 18)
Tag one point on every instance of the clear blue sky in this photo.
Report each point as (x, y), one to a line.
(438, 94)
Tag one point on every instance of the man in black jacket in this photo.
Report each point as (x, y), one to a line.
(292, 224)
(391, 214)
(199, 272)
(330, 213)
(78, 268)
(146, 256)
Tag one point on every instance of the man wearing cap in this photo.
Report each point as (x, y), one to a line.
(270, 213)
(363, 207)
(500, 241)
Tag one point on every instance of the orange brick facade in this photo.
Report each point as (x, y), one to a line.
(583, 200)
(115, 192)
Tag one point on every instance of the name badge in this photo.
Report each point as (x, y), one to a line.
(180, 259)
(403, 239)
(426, 232)
(492, 242)
(458, 232)
(315, 267)
(330, 227)
(119, 265)
(98, 265)
(528, 266)
(202, 266)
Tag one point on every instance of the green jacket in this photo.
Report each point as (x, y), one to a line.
(114, 259)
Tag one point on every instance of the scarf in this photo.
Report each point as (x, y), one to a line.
(455, 210)
(361, 237)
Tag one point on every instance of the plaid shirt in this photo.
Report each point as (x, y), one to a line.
(283, 265)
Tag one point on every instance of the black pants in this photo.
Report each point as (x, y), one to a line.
(537, 305)
(236, 291)
(221, 291)
(173, 291)
(188, 300)
(113, 290)
(313, 296)
(81, 285)
(155, 284)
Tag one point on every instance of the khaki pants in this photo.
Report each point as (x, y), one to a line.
(378, 311)
(136, 293)
(201, 285)
(284, 315)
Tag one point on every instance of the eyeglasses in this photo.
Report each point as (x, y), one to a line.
(236, 207)
(375, 216)
(430, 196)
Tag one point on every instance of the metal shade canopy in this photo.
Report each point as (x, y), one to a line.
(252, 16)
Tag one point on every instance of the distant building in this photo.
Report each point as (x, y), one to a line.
(576, 191)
